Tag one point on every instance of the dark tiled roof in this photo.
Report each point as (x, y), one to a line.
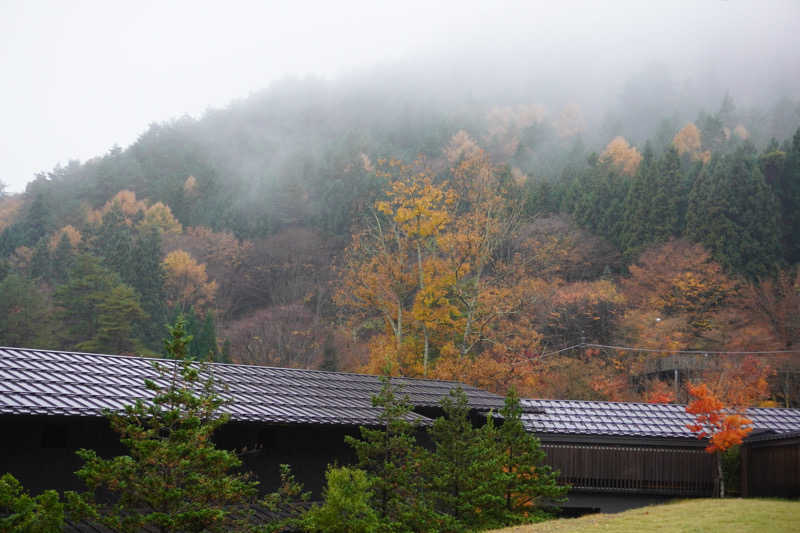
(767, 435)
(621, 419)
(69, 383)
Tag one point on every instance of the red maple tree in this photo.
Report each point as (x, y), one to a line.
(723, 426)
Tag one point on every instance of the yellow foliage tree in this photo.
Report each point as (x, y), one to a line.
(190, 187)
(688, 141)
(428, 267)
(160, 217)
(186, 282)
(73, 235)
(624, 157)
(127, 202)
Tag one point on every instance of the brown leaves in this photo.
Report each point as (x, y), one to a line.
(675, 286)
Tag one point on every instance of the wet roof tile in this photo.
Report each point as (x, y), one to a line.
(60, 383)
(619, 419)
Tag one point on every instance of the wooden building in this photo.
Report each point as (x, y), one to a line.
(615, 455)
(618, 455)
(52, 404)
(771, 465)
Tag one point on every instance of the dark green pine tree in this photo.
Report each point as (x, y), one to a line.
(465, 471)
(787, 189)
(597, 197)
(636, 226)
(11, 238)
(204, 343)
(79, 299)
(40, 261)
(665, 218)
(118, 313)
(734, 214)
(24, 314)
(393, 459)
(530, 485)
(114, 242)
(62, 260)
(38, 220)
(172, 478)
(147, 277)
(652, 211)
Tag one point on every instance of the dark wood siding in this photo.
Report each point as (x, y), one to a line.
(650, 470)
(772, 468)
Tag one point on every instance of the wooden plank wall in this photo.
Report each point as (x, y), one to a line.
(667, 471)
(771, 469)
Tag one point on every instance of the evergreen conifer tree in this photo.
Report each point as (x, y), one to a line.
(40, 262)
(147, 273)
(788, 192)
(62, 260)
(530, 485)
(118, 313)
(393, 459)
(173, 478)
(465, 473)
(734, 214)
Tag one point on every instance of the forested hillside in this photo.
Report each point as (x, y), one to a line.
(325, 225)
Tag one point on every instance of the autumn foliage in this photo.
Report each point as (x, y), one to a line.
(622, 156)
(723, 427)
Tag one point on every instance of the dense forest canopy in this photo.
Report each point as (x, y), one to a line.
(456, 233)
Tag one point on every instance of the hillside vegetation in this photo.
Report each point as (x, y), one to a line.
(331, 226)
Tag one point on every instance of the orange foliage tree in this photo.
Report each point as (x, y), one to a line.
(688, 141)
(723, 426)
(622, 156)
(675, 292)
(381, 271)
(427, 268)
(73, 236)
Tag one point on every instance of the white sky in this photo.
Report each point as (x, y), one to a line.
(81, 76)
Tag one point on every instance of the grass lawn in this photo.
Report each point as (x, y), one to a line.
(695, 516)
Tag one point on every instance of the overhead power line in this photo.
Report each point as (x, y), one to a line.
(657, 350)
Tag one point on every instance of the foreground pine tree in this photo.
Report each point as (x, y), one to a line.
(173, 478)
(530, 485)
(394, 462)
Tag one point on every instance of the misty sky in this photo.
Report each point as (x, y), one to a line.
(79, 76)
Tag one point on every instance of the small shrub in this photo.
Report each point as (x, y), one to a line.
(347, 506)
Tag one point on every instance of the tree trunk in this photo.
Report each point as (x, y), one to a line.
(424, 326)
(720, 475)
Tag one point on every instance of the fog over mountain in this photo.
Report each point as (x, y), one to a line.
(81, 77)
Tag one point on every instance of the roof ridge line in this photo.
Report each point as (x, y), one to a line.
(235, 365)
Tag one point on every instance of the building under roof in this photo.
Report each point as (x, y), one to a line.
(615, 455)
(617, 421)
(53, 402)
(621, 454)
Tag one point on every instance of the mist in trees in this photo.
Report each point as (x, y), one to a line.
(460, 212)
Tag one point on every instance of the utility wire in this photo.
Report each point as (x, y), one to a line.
(656, 350)
(709, 352)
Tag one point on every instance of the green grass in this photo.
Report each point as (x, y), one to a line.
(690, 516)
